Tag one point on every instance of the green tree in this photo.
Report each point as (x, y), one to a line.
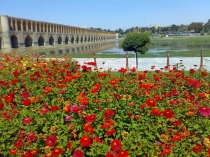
(207, 25)
(137, 42)
(174, 28)
(202, 32)
(196, 26)
(208, 32)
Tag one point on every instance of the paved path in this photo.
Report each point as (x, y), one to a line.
(146, 63)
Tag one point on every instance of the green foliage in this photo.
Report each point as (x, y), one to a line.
(209, 32)
(136, 42)
(202, 32)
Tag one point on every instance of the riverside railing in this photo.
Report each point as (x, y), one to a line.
(168, 57)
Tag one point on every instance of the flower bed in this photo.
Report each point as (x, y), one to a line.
(59, 108)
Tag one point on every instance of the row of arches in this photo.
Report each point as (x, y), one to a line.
(29, 41)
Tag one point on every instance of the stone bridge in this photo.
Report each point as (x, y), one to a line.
(18, 32)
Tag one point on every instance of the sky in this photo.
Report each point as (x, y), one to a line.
(109, 14)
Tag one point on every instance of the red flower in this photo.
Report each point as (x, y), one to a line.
(151, 102)
(26, 102)
(177, 123)
(34, 152)
(16, 73)
(69, 145)
(110, 132)
(133, 69)
(96, 139)
(123, 153)
(27, 154)
(88, 129)
(111, 154)
(85, 141)
(155, 112)
(192, 71)
(107, 124)
(168, 113)
(9, 98)
(78, 153)
(84, 101)
(166, 151)
(54, 108)
(13, 151)
(197, 149)
(116, 145)
(51, 141)
(108, 114)
(176, 137)
(31, 137)
(123, 70)
(57, 151)
(1, 105)
(18, 143)
(27, 120)
(204, 73)
(90, 118)
(113, 82)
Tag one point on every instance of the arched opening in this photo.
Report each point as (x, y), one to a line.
(14, 41)
(41, 41)
(72, 39)
(59, 40)
(88, 39)
(66, 40)
(28, 41)
(51, 40)
(85, 39)
(0, 44)
(73, 50)
(52, 52)
(60, 52)
(77, 40)
(81, 39)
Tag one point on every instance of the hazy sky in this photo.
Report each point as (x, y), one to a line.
(109, 14)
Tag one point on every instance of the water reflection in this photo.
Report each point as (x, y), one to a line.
(83, 48)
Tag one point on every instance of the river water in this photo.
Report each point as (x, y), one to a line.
(105, 47)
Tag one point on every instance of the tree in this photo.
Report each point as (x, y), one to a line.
(202, 32)
(196, 26)
(174, 28)
(137, 42)
(207, 25)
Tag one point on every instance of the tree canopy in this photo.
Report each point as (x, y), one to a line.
(137, 42)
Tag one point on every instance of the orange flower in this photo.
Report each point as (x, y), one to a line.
(190, 113)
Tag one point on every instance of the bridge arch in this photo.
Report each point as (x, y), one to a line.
(77, 39)
(14, 41)
(51, 40)
(59, 40)
(41, 41)
(28, 41)
(0, 43)
(66, 40)
(72, 39)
